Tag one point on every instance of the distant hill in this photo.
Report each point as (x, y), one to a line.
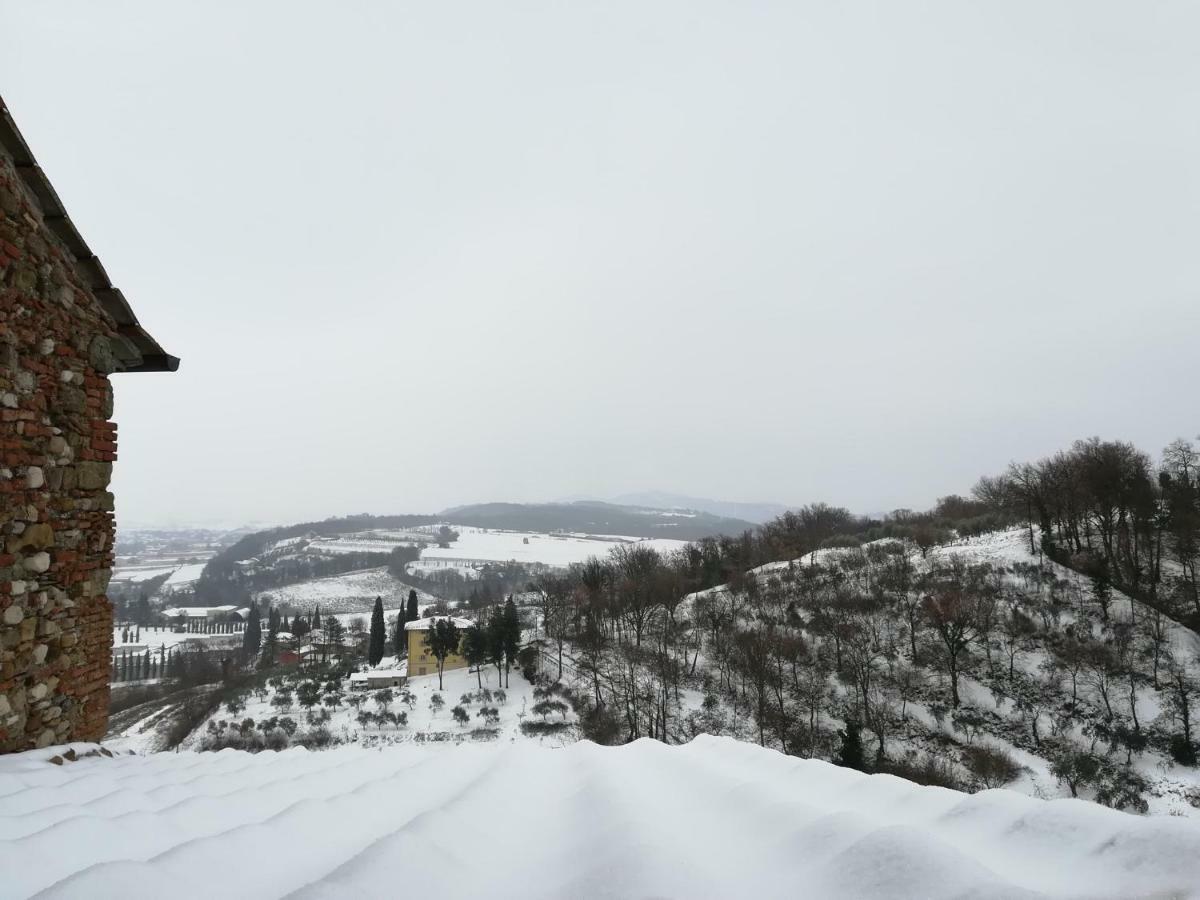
(726, 509)
(594, 517)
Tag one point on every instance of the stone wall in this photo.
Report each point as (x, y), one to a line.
(57, 447)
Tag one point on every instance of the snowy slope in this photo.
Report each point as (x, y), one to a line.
(561, 550)
(348, 592)
(714, 818)
(425, 724)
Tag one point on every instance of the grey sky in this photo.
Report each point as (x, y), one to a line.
(415, 255)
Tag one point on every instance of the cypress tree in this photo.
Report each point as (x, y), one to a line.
(401, 643)
(510, 635)
(851, 755)
(271, 645)
(375, 647)
(412, 612)
(316, 622)
(252, 636)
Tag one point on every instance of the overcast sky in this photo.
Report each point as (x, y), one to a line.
(415, 255)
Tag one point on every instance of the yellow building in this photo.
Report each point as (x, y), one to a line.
(420, 660)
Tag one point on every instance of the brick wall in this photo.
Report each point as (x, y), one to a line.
(57, 446)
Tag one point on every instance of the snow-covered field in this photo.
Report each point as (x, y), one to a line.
(137, 574)
(153, 638)
(559, 550)
(425, 723)
(714, 818)
(181, 574)
(357, 544)
(350, 592)
(185, 575)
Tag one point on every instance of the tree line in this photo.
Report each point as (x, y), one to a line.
(1107, 510)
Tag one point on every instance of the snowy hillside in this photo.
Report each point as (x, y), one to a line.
(352, 592)
(483, 545)
(714, 818)
(303, 708)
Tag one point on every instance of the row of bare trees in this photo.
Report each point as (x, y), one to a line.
(1106, 509)
(879, 636)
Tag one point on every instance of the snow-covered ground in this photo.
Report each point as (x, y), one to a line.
(185, 575)
(714, 818)
(138, 574)
(357, 544)
(153, 638)
(558, 550)
(351, 592)
(425, 722)
(180, 575)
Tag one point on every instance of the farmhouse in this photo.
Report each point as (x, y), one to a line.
(64, 329)
(420, 660)
(379, 678)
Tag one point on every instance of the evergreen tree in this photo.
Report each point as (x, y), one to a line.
(316, 619)
(270, 649)
(510, 635)
(475, 649)
(400, 638)
(442, 639)
(375, 648)
(851, 755)
(335, 633)
(412, 613)
(252, 636)
(495, 640)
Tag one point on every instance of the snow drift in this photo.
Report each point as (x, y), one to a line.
(714, 818)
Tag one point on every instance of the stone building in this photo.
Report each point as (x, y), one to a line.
(64, 329)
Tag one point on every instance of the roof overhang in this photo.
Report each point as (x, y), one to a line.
(136, 350)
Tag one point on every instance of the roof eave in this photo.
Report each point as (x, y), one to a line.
(144, 353)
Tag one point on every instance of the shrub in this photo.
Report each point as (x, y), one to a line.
(436, 703)
(545, 707)
(489, 714)
(1183, 751)
(315, 738)
(1076, 769)
(1121, 788)
(308, 694)
(926, 770)
(600, 725)
(461, 716)
(991, 767)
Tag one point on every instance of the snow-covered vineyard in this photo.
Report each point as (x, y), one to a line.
(714, 818)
